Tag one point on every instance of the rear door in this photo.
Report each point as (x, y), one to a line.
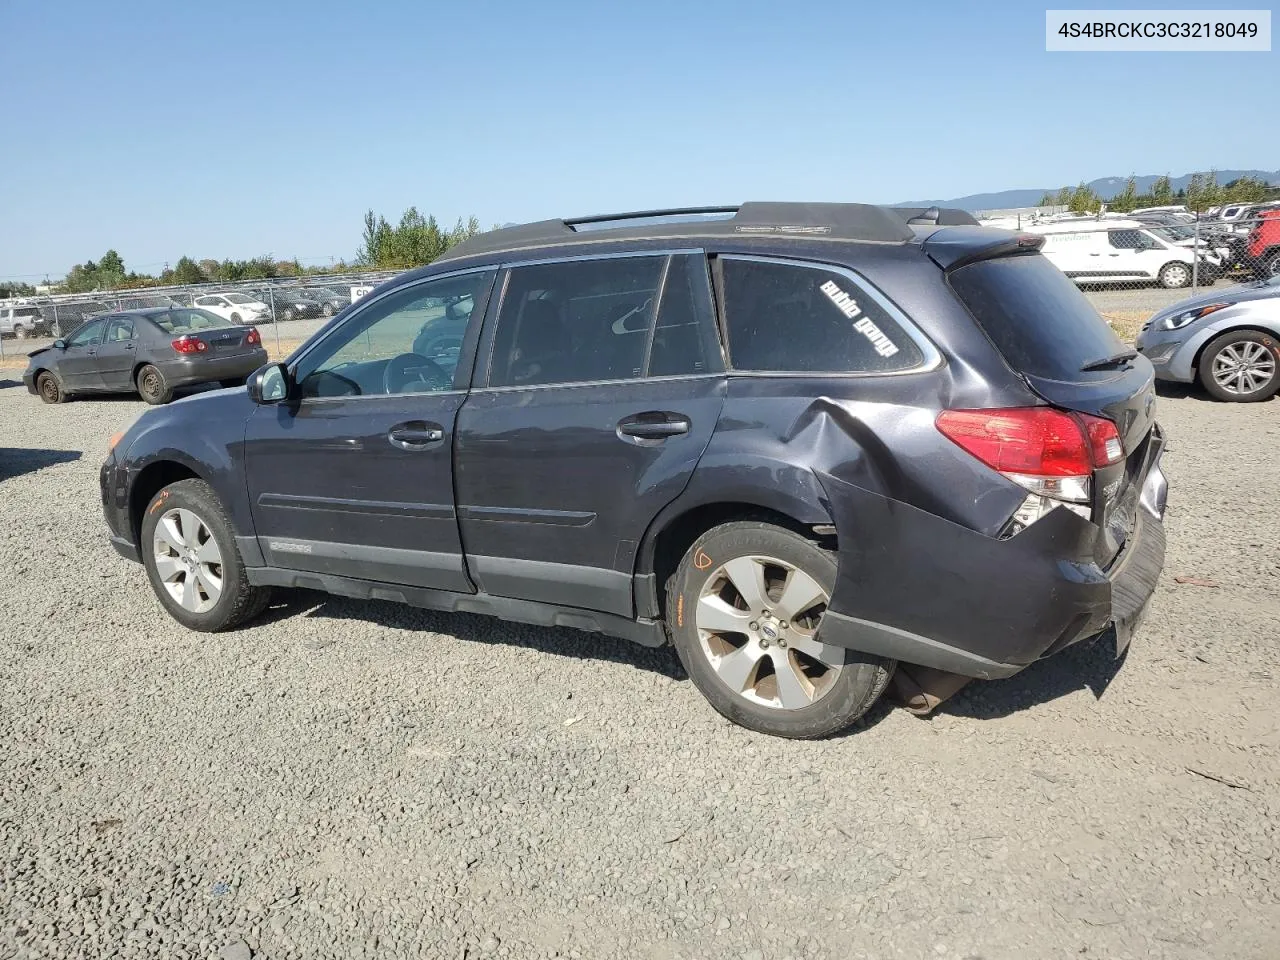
(78, 363)
(601, 384)
(117, 355)
(1054, 339)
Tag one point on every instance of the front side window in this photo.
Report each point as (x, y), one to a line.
(120, 330)
(789, 317)
(87, 334)
(407, 342)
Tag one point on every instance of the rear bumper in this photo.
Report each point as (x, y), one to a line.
(917, 588)
(189, 370)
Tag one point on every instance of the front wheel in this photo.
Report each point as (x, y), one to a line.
(289, 314)
(744, 612)
(50, 388)
(235, 318)
(20, 332)
(327, 309)
(153, 387)
(189, 550)
(1241, 366)
(1173, 275)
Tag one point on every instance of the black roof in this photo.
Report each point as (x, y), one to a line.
(862, 222)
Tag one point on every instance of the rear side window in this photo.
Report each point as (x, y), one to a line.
(617, 318)
(791, 317)
(1036, 316)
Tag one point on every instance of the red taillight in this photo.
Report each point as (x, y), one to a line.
(254, 338)
(190, 344)
(1034, 441)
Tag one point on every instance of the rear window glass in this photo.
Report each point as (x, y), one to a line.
(1036, 316)
(789, 317)
(187, 321)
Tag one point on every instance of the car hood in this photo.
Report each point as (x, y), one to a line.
(1236, 294)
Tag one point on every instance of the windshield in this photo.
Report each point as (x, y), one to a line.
(1173, 234)
(187, 321)
(239, 298)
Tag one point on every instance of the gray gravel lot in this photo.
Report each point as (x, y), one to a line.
(348, 779)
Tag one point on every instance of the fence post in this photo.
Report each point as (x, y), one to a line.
(275, 321)
(57, 326)
(1195, 265)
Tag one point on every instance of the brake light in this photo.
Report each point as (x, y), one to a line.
(254, 338)
(190, 344)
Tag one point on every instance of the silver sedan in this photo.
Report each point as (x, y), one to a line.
(1228, 340)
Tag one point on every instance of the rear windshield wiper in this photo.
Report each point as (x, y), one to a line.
(1115, 360)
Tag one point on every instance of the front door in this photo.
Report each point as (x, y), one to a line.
(591, 420)
(78, 364)
(117, 354)
(353, 475)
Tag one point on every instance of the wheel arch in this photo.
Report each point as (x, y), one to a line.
(151, 479)
(1236, 328)
(676, 528)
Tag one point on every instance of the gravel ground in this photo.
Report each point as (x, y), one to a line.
(347, 779)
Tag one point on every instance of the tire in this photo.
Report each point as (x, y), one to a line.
(55, 330)
(327, 310)
(235, 318)
(1174, 275)
(1241, 366)
(233, 382)
(1271, 266)
(738, 672)
(193, 516)
(20, 332)
(153, 387)
(288, 314)
(50, 388)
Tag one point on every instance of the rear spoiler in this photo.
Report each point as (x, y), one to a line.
(959, 246)
(935, 216)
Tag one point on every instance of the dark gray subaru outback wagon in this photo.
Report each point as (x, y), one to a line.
(804, 443)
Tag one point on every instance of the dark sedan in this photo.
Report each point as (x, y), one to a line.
(150, 352)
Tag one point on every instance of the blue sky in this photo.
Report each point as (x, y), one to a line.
(234, 129)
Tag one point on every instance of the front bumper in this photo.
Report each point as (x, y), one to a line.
(1167, 351)
(205, 369)
(29, 379)
(113, 484)
(919, 589)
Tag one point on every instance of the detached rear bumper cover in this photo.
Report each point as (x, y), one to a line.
(917, 588)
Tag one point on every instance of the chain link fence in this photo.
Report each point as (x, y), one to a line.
(1130, 266)
(292, 307)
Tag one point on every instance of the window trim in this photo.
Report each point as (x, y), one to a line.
(112, 321)
(931, 357)
(367, 303)
(480, 381)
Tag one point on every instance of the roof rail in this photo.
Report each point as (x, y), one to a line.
(833, 221)
(936, 216)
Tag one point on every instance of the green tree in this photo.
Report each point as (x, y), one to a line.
(1084, 199)
(1063, 198)
(186, 270)
(1245, 190)
(1126, 199)
(1162, 192)
(14, 288)
(1203, 191)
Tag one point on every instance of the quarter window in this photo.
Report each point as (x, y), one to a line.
(789, 317)
(408, 342)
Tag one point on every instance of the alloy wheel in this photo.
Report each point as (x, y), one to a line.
(757, 620)
(1244, 368)
(188, 561)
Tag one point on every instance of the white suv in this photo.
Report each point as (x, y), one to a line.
(236, 307)
(20, 321)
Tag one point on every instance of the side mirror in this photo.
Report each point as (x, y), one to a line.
(60, 344)
(269, 384)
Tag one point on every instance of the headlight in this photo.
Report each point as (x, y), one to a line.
(1180, 320)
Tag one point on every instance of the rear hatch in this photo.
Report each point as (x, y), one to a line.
(1067, 354)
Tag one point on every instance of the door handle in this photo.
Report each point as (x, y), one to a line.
(653, 426)
(415, 435)
(128, 346)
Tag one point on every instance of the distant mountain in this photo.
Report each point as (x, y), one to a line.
(1106, 187)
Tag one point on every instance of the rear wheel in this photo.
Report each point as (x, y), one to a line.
(288, 314)
(153, 387)
(20, 332)
(744, 611)
(1271, 266)
(235, 318)
(1241, 366)
(55, 329)
(1176, 274)
(327, 309)
(50, 388)
(189, 550)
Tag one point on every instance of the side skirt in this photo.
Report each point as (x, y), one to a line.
(648, 633)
